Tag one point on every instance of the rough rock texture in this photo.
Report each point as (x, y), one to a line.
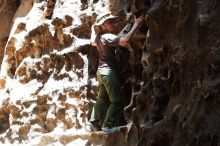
(3, 42)
(181, 75)
(169, 74)
(7, 12)
(49, 69)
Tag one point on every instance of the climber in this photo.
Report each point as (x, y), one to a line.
(109, 104)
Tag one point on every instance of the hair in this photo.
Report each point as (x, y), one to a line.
(97, 27)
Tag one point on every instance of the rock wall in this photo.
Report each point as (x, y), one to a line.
(169, 75)
(179, 103)
(48, 73)
(8, 9)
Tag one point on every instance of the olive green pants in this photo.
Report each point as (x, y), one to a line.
(109, 104)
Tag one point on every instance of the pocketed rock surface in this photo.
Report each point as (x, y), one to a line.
(169, 73)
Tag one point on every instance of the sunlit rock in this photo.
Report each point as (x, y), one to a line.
(4, 117)
(169, 73)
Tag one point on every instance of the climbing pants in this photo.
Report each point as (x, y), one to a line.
(109, 104)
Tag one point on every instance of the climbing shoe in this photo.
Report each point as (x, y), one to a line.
(92, 127)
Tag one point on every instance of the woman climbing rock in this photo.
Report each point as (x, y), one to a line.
(109, 104)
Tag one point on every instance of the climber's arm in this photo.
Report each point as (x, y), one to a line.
(126, 39)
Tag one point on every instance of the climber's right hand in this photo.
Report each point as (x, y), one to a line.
(139, 20)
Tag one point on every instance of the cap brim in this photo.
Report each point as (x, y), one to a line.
(102, 21)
